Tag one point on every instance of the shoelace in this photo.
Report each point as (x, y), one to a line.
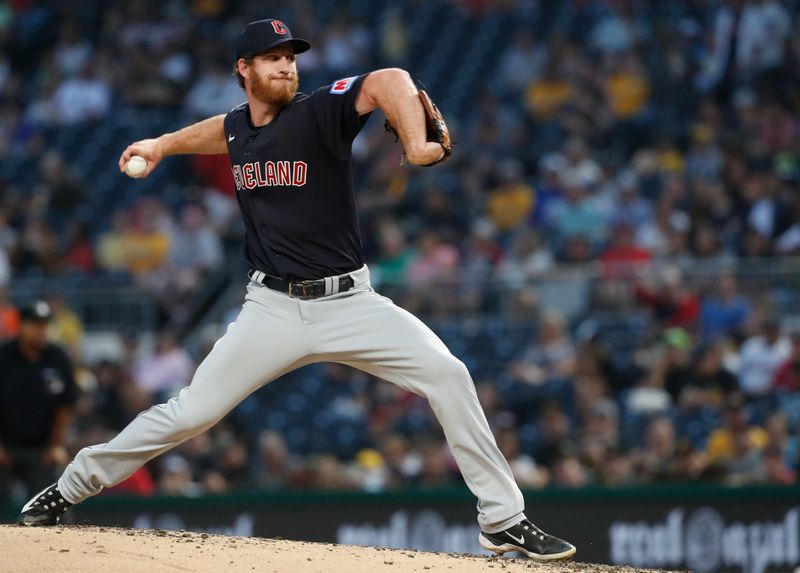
(527, 525)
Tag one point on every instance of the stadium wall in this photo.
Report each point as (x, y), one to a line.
(701, 528)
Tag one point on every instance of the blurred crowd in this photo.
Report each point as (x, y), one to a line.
(714, 399)
(620, 136)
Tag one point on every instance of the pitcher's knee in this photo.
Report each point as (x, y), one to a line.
(447, 370)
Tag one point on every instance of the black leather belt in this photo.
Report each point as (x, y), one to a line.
(305, 290)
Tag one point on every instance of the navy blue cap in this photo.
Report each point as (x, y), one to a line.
(265, 34)
(36, 311)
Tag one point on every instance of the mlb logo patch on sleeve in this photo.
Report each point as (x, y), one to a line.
(342, 86)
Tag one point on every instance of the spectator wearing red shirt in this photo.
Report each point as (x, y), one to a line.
(141, 483)
(672, 302)
(79, 255)
(788, 375)
(9, 317)
(214, 171)
(623, 257)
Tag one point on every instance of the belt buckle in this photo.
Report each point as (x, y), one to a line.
(306, 290)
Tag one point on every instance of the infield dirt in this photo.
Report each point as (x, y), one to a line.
(89, 549)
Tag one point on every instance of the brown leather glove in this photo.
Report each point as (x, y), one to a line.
(435, 126)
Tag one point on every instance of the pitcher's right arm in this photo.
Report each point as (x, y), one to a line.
(205, 137)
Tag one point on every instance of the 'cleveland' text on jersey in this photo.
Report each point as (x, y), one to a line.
(294, 185)
(270, 174)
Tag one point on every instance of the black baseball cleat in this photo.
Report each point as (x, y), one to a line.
(526, 538)
(45, 508)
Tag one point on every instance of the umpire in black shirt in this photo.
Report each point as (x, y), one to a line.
(37, 394)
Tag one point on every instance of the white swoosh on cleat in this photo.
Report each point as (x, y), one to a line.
(33, 500)
(520, 539)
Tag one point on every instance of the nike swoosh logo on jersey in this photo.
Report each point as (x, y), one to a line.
(520, 540)
(231, 137)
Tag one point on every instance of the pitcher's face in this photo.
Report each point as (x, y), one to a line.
(272, 75)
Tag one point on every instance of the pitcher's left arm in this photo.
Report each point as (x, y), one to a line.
(409, 112)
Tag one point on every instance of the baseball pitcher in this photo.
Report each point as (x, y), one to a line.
(309, 297)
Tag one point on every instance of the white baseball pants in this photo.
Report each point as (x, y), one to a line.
(275, 334)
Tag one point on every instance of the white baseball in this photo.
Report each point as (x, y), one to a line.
(136, 166)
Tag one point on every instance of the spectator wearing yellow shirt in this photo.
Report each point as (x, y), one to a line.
(111, 248)
(626, 88)
(65, 326)
(144, 246)
(511, 202)
(135, 243)
(547, 96)
(724, 443)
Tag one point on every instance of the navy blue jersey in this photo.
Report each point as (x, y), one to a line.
(294, 184)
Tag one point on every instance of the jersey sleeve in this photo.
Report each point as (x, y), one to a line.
(230, 117)
(334, 108)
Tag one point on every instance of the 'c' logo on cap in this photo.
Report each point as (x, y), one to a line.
(279, 27)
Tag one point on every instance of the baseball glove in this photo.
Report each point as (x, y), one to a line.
(435, 126)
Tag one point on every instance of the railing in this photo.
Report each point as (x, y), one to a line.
(579, 290)
(102, 303)
(114, 303)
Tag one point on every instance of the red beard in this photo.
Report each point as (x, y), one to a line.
(277, 93)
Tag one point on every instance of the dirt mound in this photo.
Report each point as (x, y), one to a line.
(87, 549)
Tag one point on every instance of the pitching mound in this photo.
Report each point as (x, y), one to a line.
(86, 549)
